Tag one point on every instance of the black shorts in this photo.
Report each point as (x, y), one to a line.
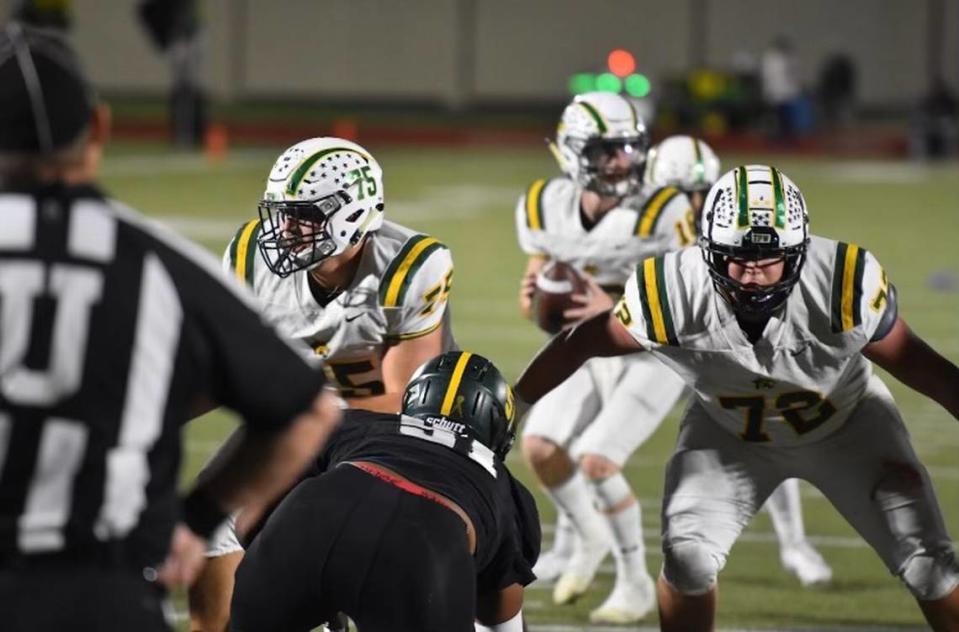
(53, 599)
(347, 541)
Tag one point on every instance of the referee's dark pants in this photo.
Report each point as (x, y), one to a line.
(53, 594)
(348, 541)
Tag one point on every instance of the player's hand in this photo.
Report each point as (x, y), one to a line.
(527, 288)
(185, 559)
(594, 301)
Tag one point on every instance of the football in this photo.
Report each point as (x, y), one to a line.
(556, 284)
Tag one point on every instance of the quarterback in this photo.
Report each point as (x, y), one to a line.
(774, 331)
(366, 295)
(599, 218)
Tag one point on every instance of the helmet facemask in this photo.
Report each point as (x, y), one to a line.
(599, 169)
(601, 144)
(752, 214)
(753, 300)
(296, 235)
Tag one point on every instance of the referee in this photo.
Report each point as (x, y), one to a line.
(112, 333)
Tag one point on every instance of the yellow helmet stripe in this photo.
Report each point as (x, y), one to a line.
(454, 385)
(534, 205)
(244, 258)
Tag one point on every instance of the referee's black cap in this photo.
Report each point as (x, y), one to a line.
(45, 99)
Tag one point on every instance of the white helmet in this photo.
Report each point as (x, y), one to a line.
(684, 162)
(323, 196)
(597, 125)
(754, 212)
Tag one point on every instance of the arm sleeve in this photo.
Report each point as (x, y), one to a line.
(519, 549)
(878, 300)
(415, 305)
(239, 360)
(860, 294)
(526, 236)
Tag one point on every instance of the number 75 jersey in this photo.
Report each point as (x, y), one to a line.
(802, 378)
(400, 291)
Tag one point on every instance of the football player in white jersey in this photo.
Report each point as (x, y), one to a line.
(365, 294)
(600, 219)
(775, 331)
(690, 165)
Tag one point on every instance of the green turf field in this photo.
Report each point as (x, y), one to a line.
(907, 215)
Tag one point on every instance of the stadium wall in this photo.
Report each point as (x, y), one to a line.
(461, 52)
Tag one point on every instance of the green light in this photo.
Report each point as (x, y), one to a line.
(637, 86)
(582, 82)
(608, 82)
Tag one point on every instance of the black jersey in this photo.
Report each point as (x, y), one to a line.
(435, 456)
(111, 328)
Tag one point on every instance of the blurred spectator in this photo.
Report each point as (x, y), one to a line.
(45, 13)
(781, 90)
(935, 132)
(837, 90)
(175, 28)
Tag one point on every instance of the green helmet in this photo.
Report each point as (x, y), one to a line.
(464, 387)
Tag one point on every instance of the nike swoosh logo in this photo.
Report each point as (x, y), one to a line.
(353, 317)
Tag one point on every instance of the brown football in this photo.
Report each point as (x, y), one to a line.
(556, 283)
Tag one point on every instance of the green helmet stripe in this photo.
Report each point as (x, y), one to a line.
(699, 168)
(305, 166)
(596, 116)
(742, 193)
(780, 202)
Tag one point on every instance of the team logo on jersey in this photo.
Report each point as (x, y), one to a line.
(763, 382)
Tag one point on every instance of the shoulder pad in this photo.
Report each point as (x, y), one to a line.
(242, 251)
(652, 210)
(533, 203)
(399, 274)
(645, 308)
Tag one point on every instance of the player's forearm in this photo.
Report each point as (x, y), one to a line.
(254, 468)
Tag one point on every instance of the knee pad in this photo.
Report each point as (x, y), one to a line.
(930, 575)
(691, 567)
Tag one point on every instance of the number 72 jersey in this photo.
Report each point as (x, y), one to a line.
(802, 378)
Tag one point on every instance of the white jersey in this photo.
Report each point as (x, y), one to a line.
(549, 223)
(399, 292)
(804, 376)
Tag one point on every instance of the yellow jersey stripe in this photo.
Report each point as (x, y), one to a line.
(393, 291)
(652, 295)
(243, 249)
(848, 287)
(454, 385)
(534, 216)
(652, 210)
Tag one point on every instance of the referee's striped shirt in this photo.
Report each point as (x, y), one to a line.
(111, 328)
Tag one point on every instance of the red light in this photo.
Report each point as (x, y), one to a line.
(621, 62)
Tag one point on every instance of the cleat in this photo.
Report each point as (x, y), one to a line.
(630, 601)
(550, 566)
(806, 564)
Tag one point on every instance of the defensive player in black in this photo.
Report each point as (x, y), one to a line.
(112, 333)
(412, 523)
